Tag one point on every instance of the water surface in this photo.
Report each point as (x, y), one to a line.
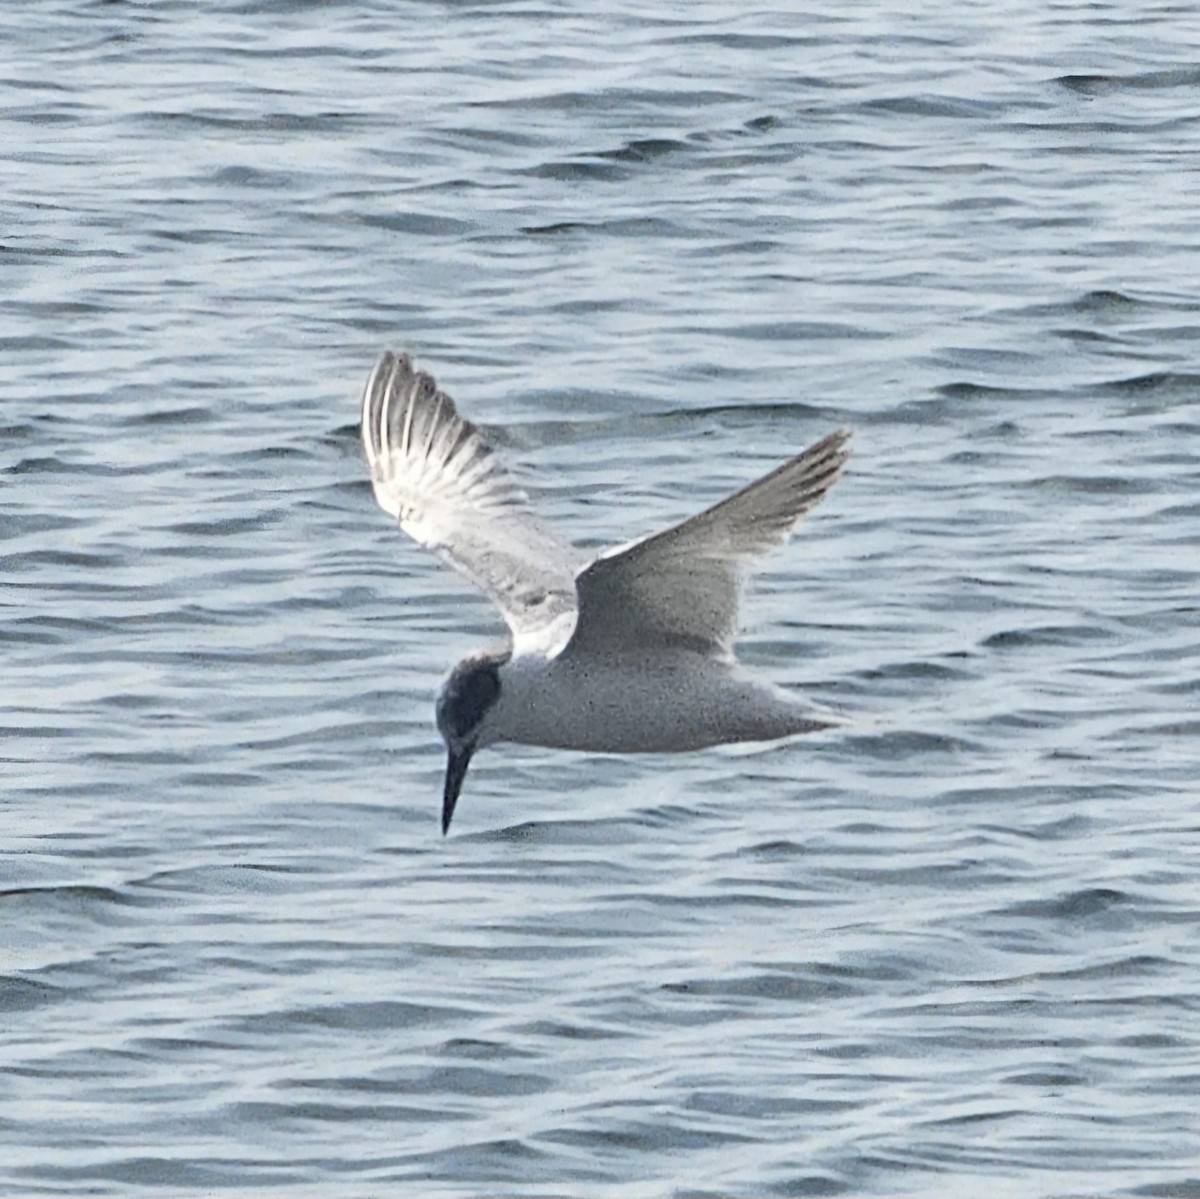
(952, 948)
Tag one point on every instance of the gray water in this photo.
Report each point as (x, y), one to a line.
(950, 949)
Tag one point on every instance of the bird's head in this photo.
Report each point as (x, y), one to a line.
(466, 700)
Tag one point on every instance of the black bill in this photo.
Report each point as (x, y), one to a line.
(456, 771)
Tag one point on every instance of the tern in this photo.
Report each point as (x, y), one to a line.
(630, 651)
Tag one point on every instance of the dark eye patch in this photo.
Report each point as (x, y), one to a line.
(472, 693)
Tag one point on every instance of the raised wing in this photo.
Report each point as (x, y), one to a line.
(683, 587)
(435, 474)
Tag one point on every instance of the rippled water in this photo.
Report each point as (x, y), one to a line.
(953, 948)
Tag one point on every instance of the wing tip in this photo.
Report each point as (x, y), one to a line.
(828, 455)
(837, 441)
(392, 378)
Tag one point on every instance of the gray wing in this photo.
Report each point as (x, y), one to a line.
(683, 587)
(433, 472)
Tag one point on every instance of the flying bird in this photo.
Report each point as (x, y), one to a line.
(630, 651)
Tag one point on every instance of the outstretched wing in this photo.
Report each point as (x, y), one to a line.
(683, 587)
(433, 471)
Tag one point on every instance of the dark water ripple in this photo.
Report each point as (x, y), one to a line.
(951, 947)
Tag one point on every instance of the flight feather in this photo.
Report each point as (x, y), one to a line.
(436, 475)
(683, 587)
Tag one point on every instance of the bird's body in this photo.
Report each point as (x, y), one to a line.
(645, 703)
(630, 652)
